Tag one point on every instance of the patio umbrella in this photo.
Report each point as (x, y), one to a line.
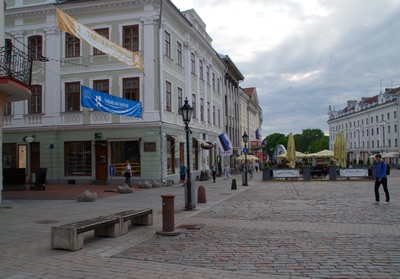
(336, 150)
(324, 154)
(391, 155)
(343, 152)
(291, 152)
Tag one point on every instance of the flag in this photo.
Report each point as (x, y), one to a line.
(101, 101)
(224, 142)
(81, 31)
(257, 134)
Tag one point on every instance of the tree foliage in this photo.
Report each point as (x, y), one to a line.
(309, 141)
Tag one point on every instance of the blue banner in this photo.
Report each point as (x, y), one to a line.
(101, 101)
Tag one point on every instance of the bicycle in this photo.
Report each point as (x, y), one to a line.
(250, 175)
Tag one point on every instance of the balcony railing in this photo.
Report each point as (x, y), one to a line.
(16, 64)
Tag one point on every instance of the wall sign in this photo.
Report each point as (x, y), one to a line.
(149, 146)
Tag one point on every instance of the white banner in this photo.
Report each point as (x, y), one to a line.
(81, 31)
(353, 172)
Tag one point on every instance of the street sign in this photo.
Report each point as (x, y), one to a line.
(245, 150)
(112, 170)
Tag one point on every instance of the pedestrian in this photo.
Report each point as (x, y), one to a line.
(226, 172)
(128, 174)
(256, 165)
(214, 172)
(182, 172)
(380, 169)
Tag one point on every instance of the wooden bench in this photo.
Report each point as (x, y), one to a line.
(70, 236)
(134, 217)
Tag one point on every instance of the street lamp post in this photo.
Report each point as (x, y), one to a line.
(187, 111)
(245, 138)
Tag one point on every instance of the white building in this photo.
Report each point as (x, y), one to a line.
(370, 125)
(77, 143)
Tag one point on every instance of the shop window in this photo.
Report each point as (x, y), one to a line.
(9, 155)
(78, 158)
(126, 150)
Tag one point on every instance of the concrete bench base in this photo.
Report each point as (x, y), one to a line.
(70, 236)
(142, 217)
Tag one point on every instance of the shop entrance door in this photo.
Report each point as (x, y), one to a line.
(101, 160)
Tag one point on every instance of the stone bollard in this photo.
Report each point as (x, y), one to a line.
(168, 217)
(233, 186)
(201, 195)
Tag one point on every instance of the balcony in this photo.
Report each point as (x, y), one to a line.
(15, 74)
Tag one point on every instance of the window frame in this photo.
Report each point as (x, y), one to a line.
(74, 95)
(168, 96)
(72, 46)
(131, 92)
(36, 43)
(35, 101)
(105, 32)
(130, 37)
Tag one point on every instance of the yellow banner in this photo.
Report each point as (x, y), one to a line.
(81, 31)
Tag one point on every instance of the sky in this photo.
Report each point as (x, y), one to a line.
(306, 55)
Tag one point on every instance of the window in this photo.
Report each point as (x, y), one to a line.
(201, 70)
(388, 116)
(130, 37)
(35, 47)
(102, 85)
(194, 106)
(377, 119)
(389, 143)
(8, 110)
(373, 145)
(366, 121)
(171, 145)
(388, 129)
(78, 158)
(103, 32)
(372, 120)
(179, 53)
(377, 143)
(214, 115)
(180, 102)
(202, 109)
(218, 85)
(35, 102)
(168, 96)
(372, 131)
(395, 128)
(394, 115)
(167, 44)
(219, 118)
(131, 89)
(73, 46)
(377, 131)
(208, 74)
(382, 118)
(193, 63)
(208, 112)
(367, 132)
(213, 81)
(395, 142)
(72, 96)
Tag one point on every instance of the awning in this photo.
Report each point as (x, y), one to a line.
(177, 138)
(205, 144)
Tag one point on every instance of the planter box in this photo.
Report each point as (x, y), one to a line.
(306, 173)
(267, 174)
(332, 173)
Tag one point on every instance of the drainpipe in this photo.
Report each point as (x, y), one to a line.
(160, 54)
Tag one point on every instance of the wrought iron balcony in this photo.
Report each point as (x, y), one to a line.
(16, 64)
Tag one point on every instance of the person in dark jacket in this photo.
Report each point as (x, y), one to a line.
(381, 178)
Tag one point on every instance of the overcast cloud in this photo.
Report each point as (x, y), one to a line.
(304, 55)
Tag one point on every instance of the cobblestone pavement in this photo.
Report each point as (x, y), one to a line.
(275, 229)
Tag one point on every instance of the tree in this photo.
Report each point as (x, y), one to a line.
(320, 145)
(273, 141)
(308, 137)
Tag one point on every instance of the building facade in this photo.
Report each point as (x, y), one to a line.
(76, 143)
(370, 125)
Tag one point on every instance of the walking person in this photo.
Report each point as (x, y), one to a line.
(128, 174)
(256, 166)
(214, 172)
(226, 172)
(380, 168)
(182, 172)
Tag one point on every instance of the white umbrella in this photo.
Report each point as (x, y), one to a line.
(291, 152)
